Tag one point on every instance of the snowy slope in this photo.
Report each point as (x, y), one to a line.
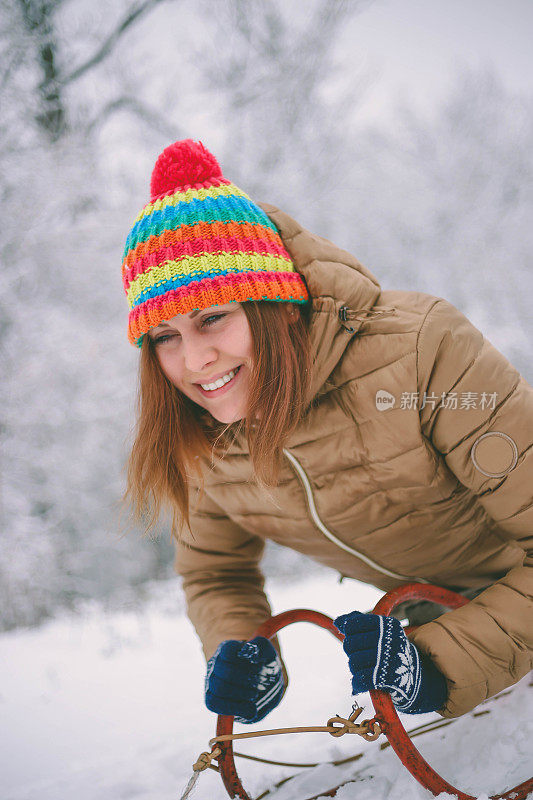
(110, 706)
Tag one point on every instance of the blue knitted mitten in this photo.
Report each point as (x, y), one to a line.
(244, 679)
(381, 657)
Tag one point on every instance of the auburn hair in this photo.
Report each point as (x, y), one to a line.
(175, 439)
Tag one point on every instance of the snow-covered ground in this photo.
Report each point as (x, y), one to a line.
(105, 706)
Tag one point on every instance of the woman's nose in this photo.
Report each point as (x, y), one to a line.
(197, 353)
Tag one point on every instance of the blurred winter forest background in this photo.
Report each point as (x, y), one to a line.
(90, 93)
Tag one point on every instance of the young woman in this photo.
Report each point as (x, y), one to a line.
(283, 395)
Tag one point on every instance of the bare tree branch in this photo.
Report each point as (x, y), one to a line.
(141, 110)
(37, 16)
(111, 40)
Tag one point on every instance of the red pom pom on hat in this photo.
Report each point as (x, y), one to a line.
(184, 163)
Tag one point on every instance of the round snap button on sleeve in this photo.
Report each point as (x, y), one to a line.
(494, 454)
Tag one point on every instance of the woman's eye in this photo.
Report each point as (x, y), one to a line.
(167, 337)
(212, 318)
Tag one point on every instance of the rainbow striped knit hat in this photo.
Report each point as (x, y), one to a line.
(200, 242)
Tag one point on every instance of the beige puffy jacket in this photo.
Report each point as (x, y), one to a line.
(436, 486)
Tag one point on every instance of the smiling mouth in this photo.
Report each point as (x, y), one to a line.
(218, 387)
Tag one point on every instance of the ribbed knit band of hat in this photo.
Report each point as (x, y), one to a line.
(200, 242)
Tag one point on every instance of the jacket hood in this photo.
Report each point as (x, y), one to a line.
(343, 293)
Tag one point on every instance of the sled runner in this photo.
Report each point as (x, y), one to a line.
(385, 720)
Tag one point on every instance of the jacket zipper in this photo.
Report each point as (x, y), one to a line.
(300, 472)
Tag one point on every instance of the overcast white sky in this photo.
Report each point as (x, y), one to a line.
(415, 46)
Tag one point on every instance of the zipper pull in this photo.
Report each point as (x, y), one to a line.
(343, 316)
(343, 313)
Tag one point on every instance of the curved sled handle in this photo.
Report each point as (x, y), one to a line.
(385, 711)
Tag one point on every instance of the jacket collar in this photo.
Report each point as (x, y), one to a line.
(343, 293)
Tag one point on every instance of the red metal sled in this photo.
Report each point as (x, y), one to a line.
(385, 711)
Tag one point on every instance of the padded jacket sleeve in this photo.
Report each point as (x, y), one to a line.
(222, 581)
(487, 443)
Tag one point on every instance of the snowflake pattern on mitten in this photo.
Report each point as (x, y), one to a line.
(380, 656)
(268, 682)
(244, 679)
(398, 664)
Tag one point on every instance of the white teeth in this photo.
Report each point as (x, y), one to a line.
(210, 387)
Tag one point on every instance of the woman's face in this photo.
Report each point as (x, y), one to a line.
(203, 348)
